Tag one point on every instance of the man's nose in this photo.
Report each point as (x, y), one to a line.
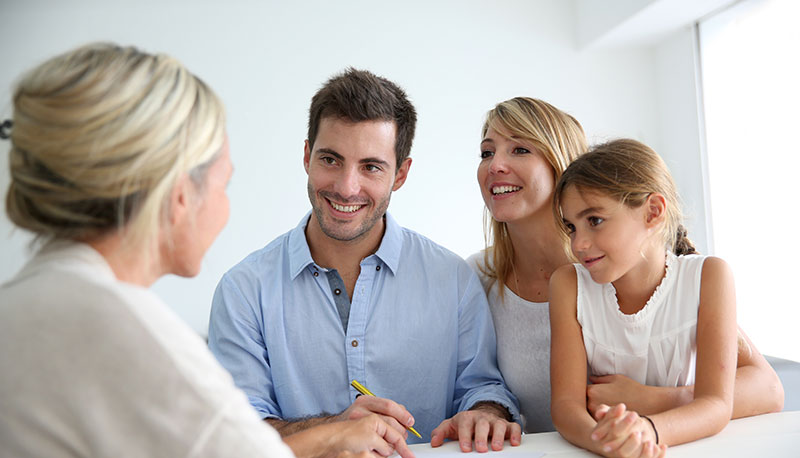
(348, 184)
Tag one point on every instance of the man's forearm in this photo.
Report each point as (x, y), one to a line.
(491, 406)
(289, 427)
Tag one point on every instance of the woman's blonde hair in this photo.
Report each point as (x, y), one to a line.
(100, 136)
(556, 135)
(627, 171)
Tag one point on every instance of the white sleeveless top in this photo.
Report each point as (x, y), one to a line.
(657, 345)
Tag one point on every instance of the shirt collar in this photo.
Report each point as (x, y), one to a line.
(391, 245)
(388, 251)
(299, 252)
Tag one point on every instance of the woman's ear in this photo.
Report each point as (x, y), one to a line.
(180, 199)
(656, 210)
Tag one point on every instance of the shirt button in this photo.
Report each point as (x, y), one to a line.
(338, 291)
(354, 343)
(316, 274)
(377, 267)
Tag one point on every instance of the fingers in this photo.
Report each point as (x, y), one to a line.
(597, 379)
(499, 430)
(392, 422)
(621, 431)
(632, 446)
(363, 454)
(601, 412)
(606, 421)
(465, 429)
(442, 432)
(363, 405)
(397, 441)
(482, 429)
(514, 434)
(387, 439)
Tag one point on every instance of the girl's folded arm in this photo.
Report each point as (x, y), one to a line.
(568, 362)
(711, 408)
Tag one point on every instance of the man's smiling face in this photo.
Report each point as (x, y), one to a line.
(351, 175)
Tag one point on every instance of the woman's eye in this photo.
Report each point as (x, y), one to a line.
(594, 220)
(520, 150)
(487, 153)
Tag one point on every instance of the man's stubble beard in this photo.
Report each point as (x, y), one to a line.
(317, 201)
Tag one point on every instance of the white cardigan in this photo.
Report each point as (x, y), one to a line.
(90, 366)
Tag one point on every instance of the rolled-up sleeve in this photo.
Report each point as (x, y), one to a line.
(236, 338)
(478, 378)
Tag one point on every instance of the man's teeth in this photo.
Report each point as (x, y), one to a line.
(345, 208)
(504, 189)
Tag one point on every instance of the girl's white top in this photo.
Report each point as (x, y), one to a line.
(90, 366)
(655, 346)
(523, 349)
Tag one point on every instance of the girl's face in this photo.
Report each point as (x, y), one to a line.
(516, 180)
(606, 236)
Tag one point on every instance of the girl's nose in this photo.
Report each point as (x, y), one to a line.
(580, 242)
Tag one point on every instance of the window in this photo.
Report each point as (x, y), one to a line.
(750, 61)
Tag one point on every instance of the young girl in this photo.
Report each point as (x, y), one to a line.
(639, 303)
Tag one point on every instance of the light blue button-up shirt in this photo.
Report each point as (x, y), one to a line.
(419, 333)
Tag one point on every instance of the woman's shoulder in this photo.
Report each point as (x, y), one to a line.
(477, 260)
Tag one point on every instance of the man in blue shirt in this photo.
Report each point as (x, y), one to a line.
(350, 295)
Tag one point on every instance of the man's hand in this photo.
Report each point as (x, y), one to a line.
(479, 424)
(394, 414)
(623, 433)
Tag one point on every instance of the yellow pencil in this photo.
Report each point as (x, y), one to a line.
(363, 390)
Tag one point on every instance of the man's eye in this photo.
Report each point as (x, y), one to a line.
(595, 220)
(487, 153)
(372, 168)
(328, 160)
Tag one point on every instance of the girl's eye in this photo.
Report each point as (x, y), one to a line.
(520, 150)
(594, 220)
(487, 153)
(570, 227)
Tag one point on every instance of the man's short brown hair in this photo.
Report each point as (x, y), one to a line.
(359, 95)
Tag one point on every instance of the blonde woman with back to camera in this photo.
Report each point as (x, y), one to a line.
(119, 163)
(526, 144)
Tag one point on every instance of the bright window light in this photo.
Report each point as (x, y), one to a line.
(750, 61)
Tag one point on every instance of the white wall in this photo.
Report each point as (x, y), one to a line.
(266, 59)
(680, 130)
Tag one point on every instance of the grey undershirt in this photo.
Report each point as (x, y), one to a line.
(340, 297)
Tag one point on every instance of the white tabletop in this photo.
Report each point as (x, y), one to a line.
(771, 435)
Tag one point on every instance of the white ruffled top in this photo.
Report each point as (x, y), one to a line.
(655, 346)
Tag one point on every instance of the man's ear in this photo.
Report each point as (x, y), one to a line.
(655, 210)
(306, 155)
(401, 174)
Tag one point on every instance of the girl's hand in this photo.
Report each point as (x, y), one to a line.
(623, 433)
(615, 389)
